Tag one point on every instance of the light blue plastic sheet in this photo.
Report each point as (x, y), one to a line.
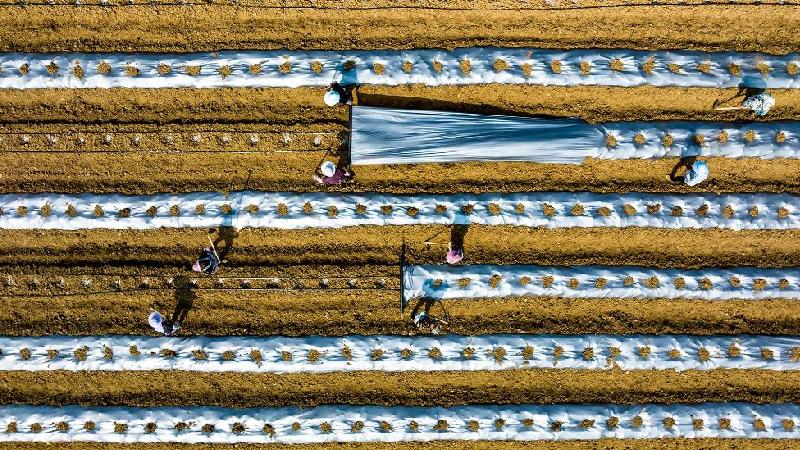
(397, 136)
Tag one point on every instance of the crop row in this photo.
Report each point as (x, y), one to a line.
(135, 139)
(442, 425)
(526, 422)
(652, 282)
(88, 283)
(394, 353)
(308, 208)
(555, 66)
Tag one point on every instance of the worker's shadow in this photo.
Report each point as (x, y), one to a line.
(184, 298)
(458, 231)
(685, 162)
(224, 240)
(402, 102)
(423, 303)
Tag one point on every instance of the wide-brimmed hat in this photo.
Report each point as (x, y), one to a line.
(331, 98)
(328, 168)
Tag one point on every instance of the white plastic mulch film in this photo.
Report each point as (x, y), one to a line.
(333, 210)
(316, 354)
(399, 136)
(284, 68)
(490, 281)
(346, 423)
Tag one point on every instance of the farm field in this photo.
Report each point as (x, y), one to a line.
(600, 303)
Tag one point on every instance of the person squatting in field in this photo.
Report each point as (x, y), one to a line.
(696, 171)
(209, 260)
(423, 319)
(753, 90)
(162, 324)
(330, 174)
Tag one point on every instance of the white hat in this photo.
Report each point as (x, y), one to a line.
(328, 168)
(196, 266)
(331, 98)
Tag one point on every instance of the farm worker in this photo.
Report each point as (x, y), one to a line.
(458, 230)
(760, 103)
(329, 174)
(424, 322)
(163, 325)
(338, 95)
(696, 174)
(756, 97)
(207, 263)
(454, 255)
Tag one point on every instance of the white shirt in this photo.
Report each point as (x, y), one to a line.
(155, 321)
(697, 174)
(760, 104)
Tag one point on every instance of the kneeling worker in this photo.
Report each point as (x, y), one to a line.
(696, 174)
(207, 263)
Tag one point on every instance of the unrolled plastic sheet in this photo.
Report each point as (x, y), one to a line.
(491, 281)
(397, 136)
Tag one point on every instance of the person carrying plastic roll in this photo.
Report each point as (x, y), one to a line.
(338, 95)
(163, 325)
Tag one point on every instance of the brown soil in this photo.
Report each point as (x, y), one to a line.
(222, 107)
(149, 173)
(232, 138)
(369, 311)
(409, 4)
(151, 28)
(268, 108)
(158, 165)
(542, 386)
(380, 245)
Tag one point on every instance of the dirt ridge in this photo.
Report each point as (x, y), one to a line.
(210, 27)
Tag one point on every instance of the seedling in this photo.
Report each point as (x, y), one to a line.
(104, 68)
(466, 66)
(500, 65)
(649, 65)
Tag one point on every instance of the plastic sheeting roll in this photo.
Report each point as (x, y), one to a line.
(397, 136)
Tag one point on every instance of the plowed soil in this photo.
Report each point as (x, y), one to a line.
(203, 28)
(380, 245)
(338, 312)
(151, 173)
(160, 388)
(416, 4)
(169, 159)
